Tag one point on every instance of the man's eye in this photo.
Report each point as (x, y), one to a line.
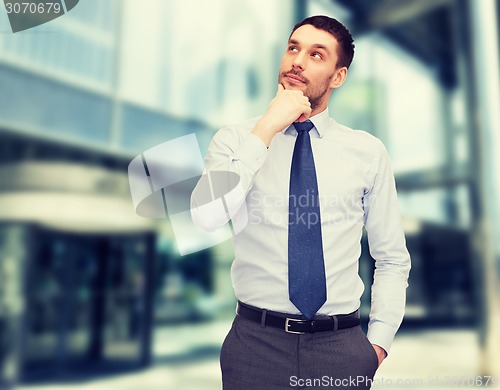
(292, 48)
(317, 55)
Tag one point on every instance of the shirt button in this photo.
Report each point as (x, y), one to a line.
(259, 160)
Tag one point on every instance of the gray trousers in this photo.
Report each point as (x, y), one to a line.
(254, 357)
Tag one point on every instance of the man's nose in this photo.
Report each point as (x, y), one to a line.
(299, 62)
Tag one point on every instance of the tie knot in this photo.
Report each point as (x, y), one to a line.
(303, 126)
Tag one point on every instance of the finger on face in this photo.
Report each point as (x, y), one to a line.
(302, 118)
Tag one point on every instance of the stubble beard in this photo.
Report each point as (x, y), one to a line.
(315, 98)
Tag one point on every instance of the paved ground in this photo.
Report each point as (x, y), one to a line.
(186, 358)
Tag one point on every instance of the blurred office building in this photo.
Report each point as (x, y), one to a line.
(86, 283)
(76, 262)
(82, 96)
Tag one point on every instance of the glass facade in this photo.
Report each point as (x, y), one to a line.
(81, 45)
(47, 106)
(86, 302)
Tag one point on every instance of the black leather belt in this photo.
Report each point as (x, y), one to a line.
(296, 325)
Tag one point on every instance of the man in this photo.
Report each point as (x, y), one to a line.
(308, 186)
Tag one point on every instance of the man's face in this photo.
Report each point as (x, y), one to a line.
(309, 64)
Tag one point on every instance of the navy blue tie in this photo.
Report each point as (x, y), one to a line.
(306, 267)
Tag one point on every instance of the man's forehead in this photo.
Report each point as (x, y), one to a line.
(312, 36)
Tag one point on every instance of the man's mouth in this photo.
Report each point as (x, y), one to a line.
(294, 78)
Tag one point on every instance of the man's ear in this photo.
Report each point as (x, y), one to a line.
(339, 77)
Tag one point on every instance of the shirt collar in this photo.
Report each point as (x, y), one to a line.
(320, 121)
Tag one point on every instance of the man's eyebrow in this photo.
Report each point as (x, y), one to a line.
(319, 46)
(316, 45)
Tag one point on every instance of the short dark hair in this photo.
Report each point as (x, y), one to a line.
(338, 30)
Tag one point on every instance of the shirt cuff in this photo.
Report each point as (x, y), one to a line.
(381, 334)
(252, 152)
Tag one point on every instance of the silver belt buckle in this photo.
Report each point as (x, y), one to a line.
(287, 325)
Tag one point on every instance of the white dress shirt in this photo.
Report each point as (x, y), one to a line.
(356, 188)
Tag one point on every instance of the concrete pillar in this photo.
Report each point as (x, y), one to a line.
(484, 41)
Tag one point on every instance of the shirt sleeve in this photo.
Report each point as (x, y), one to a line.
(388, 247)
(233, 157)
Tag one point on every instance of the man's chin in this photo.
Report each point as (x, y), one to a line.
(296, 86)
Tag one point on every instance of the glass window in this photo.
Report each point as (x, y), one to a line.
(143, 128)
(37, 104)
(222, 71)
(428, 205)
(69, 45)
(400, 101)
